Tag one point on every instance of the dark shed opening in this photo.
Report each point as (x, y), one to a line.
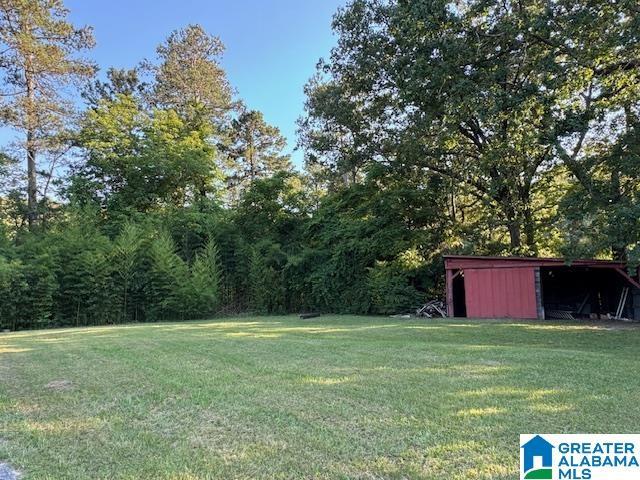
(459, 301)
(583, 292)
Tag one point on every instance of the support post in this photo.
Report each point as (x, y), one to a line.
(449, 293)
(539, 301)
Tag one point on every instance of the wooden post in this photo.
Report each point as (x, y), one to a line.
(449, 292)
(539, 294)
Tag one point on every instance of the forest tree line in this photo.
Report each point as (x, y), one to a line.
(433, 127)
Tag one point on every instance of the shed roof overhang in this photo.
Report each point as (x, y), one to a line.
(455, 262)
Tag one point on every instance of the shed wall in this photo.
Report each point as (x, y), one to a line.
(500, 292)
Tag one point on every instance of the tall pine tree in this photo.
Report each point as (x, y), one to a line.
(39, 56)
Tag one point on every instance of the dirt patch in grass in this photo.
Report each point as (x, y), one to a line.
(490, 363)
(59, 385)
(8, 473)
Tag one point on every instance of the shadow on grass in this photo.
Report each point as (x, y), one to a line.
(468, 334)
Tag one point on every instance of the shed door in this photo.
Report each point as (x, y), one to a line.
(500, 292)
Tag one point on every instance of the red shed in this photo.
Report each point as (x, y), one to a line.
(522, 287)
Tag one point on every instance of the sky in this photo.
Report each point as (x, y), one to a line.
(272, 46)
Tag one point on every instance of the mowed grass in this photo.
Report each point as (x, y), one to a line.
(332, 397)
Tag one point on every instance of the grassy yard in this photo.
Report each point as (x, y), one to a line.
(332, 397)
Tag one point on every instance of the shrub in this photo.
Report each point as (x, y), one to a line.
(390, 290)
(165, 278)
(202, 293)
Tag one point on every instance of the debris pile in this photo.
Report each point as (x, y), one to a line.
(433, 308)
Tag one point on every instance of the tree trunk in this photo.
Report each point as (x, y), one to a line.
(530, 231)
(32, 182)
(32, 186)
(251, 158)
(512, 224)
(515, 235)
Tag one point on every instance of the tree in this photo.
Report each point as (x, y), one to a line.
(490, 95)
(596, 132)
(110, 142)
(390, 288)
(189, 74)
(360, 229)
(119, 82)
(272, 207)
(255, 151)
(126, 259)
(35, 305)
(13, 208)
(140, 161)
(86, 292)
(14, 290)
(444, 89)
(39, 57)
(166, 277)
(202, 292)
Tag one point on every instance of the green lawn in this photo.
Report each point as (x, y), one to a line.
(332, 397)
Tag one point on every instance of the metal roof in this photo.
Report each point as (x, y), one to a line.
(472, 261)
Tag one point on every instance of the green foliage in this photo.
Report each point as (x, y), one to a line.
(189, 78)
(492, 97)
(166, 276)
(358, 227)
(13, 290)
(255, 151)
(119, 82)
(266, 279)
(126, 257)
(202, 293)
(142, 160)
(85, 275)
(41, 284)
(391, 292)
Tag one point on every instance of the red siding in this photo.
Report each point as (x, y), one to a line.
(500, 292)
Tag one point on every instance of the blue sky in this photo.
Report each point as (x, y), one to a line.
(272, 45)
